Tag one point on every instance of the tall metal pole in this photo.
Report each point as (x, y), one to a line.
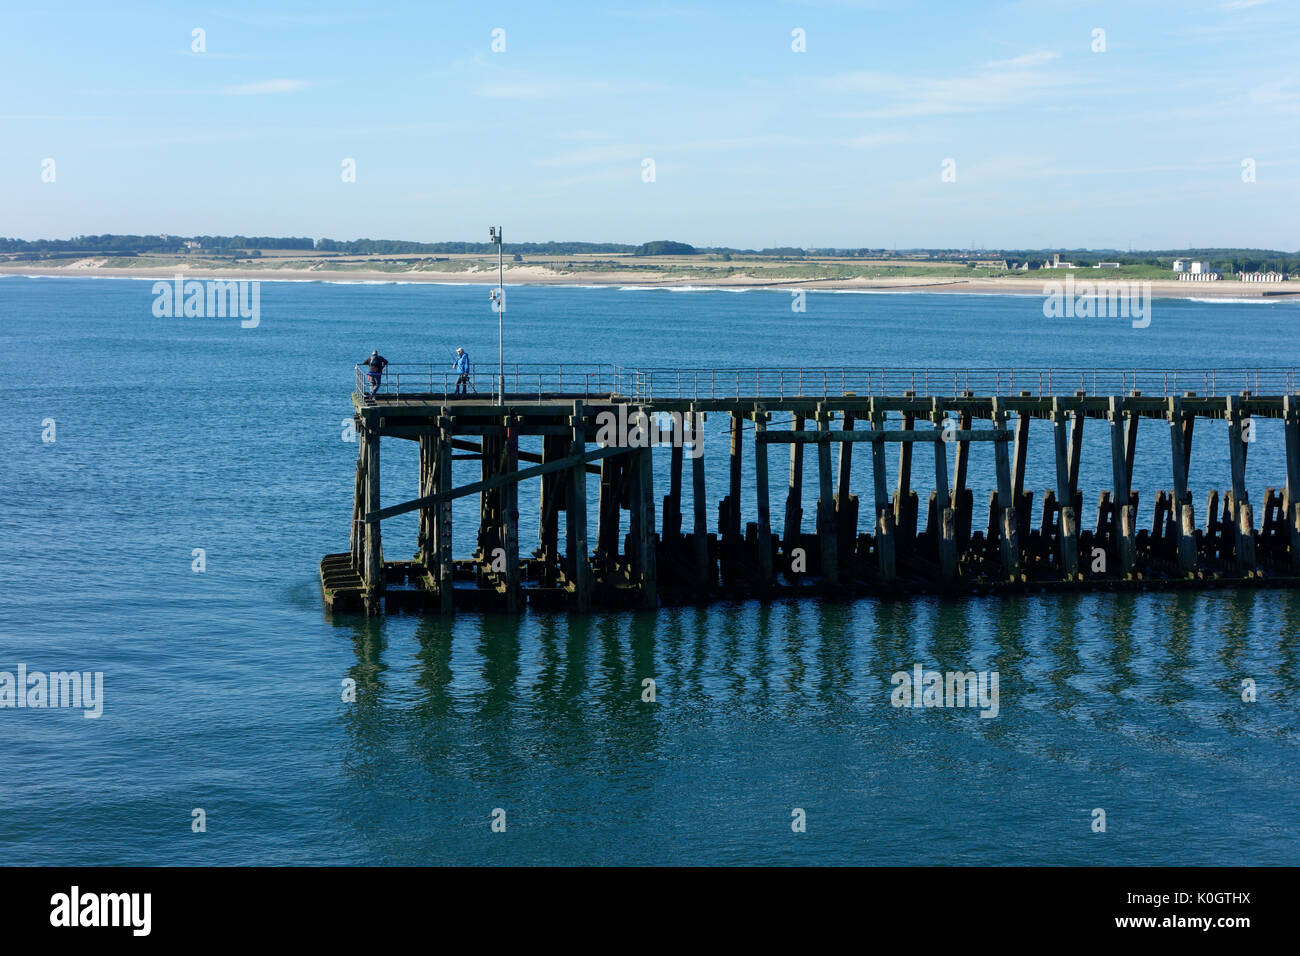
(501, 318)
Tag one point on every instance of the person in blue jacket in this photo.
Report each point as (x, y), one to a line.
(461, 365)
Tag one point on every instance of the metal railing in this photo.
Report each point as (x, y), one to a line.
(698, 384)
(726, 383)
(399, 381)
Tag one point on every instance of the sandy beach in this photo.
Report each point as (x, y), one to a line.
(541, 275)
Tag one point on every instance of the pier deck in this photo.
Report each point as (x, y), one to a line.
(564, 425)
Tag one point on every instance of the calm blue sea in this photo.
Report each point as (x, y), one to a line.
(223, 689)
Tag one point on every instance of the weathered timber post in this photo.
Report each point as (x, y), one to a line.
(548, 524)
(357, 536)
(730, 529)
(794, 496)
(672, 517)
(1242, 515)
(1076, 449)
(963, 502)
(607, 512)
(1184, 513)
(945, 532)
(1022, 502)
(1067, 525)
(1131, 420)
(442, 516)
(1007, 525)
(905, 513)
(642, 518)
(884, 524)
(826, 535)
(760, 482)
(374, 560)
(510, 514)
(846, 504)
(424, 516)
(1124, 514)
(1291, 429)
(575, 521)
(699, 503)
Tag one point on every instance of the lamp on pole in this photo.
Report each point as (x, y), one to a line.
(499, 300)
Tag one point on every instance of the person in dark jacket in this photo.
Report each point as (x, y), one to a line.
(376, 363)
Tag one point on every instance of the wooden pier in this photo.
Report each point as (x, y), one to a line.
(589, 435)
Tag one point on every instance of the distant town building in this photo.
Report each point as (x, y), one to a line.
(1198, 266)
(1106, 265)
(1263, 277)
(191, 244)
(1199, 276)
(1179, 265)
(990, 264)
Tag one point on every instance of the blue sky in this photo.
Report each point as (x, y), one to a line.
(753, 144)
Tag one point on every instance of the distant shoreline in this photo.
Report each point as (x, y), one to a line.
(533, 275)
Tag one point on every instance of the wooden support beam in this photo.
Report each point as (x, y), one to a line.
(805, 437)
(1131, 420)
(1124, 520)
(844, 466)
(903, 493)
(1184, 513)
(356, 537)
(704, 577)
(730, 529)
(672, 515)
(961, 464)
(442, 519)
(1067, 526)
(826, 506)
(1006, 518)
(510, 515)
(884, 523)
(374, 557)
(501, 480)
(945, 529)
(575, 520)
(1076, 450)
(794, 496)
(528, 456)
(1291, 507)
(760, 490)
(1243, 519)
(607, 513)
(554, 447)
(642, 518)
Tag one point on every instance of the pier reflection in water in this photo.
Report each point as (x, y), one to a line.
(1130, 703)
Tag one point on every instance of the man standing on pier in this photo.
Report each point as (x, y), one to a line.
(461, 365)
(376, 363)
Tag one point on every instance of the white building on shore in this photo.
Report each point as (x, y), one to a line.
(1263, 277)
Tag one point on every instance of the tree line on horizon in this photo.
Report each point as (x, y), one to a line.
(1228, 259)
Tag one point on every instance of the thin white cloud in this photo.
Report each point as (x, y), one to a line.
(1037, 58)
(265, 87)
(1242, 4)
(991, 87)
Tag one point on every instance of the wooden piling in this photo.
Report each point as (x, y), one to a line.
(1125, 520)
(761, 493)
(1291, 507)
(1184, 514)
(374, 557)
(794, 496)
(884, 524)
(1068, 520)
(704, 576)
(826, 530)
(1243, 523)
(1007, 524)
(575, 520)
